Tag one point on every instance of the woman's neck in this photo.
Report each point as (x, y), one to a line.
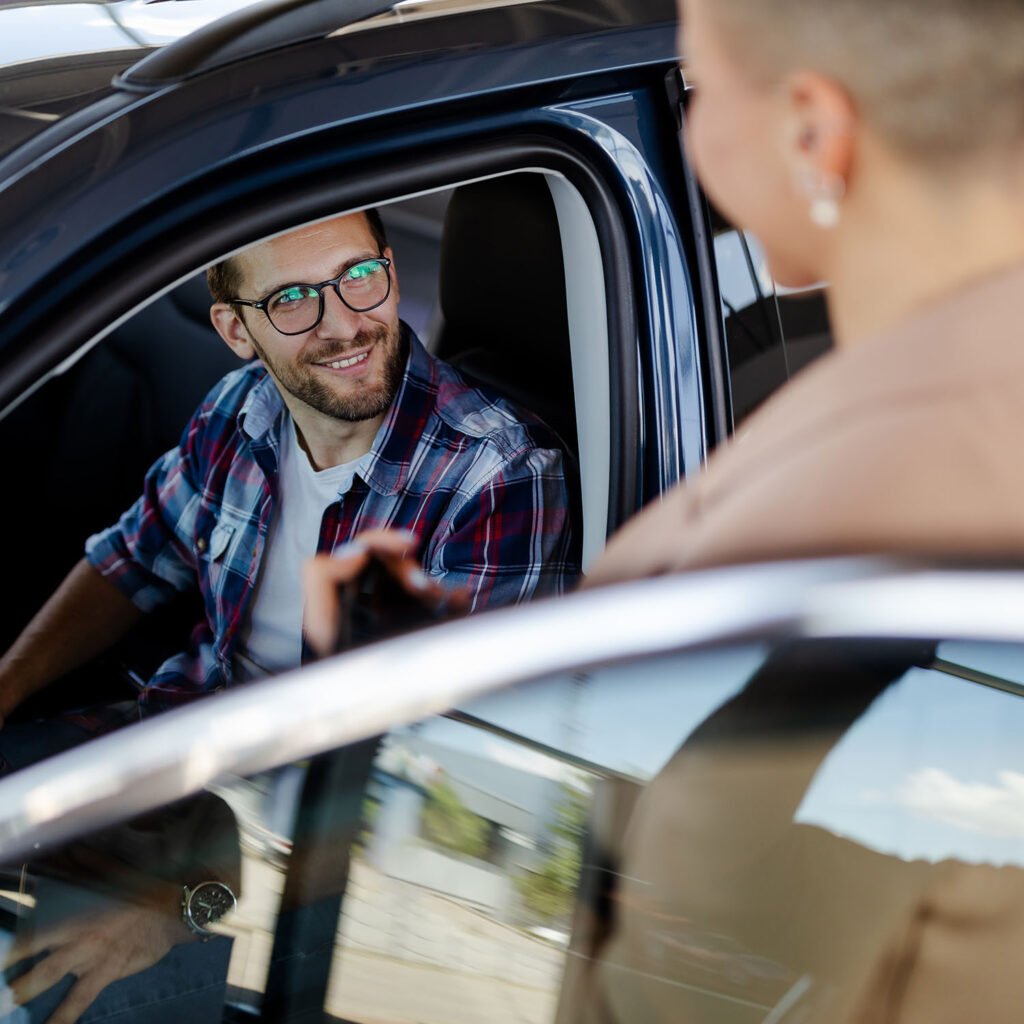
(905, 243)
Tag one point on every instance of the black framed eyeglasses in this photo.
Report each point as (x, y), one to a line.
(297, 308)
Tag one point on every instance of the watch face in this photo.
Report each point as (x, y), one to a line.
(209, 902)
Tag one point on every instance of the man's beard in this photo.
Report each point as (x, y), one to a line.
(369, 401)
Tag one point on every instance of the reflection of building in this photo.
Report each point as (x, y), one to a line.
(518, 805)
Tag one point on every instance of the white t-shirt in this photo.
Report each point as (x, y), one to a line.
(270, 640)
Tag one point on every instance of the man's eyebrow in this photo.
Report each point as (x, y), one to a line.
(339, 270)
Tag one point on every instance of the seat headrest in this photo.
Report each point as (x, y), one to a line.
(192, 298)
(502, 283)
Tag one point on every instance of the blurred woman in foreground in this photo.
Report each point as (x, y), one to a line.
(877, 145)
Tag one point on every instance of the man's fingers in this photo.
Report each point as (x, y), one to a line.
(82, 995)
(321, 577)
(43, 976)
(322, 574)
(46, 938)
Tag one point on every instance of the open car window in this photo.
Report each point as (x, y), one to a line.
(95, 428)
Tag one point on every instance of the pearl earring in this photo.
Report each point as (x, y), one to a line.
(825, 213)
(825, 192)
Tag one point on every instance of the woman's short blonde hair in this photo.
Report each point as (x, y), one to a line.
(937, 79)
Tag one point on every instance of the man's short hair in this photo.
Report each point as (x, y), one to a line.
(936, 79)
(225, 278)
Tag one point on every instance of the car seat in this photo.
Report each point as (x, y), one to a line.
(502, 297)
(80, 446)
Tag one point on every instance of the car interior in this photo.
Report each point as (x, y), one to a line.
(483, 284)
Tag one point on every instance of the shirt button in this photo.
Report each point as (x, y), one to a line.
(201, 544)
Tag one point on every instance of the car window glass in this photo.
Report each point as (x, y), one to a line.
(582, 714)
(765, 841)
(755, 347)
(954, 771)
(771, 332)
(459, 902)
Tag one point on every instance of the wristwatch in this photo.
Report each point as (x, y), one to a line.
(205, 904)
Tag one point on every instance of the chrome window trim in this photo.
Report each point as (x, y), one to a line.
(317, 708)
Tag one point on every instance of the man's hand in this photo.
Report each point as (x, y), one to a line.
(322, 575)
(98, 949)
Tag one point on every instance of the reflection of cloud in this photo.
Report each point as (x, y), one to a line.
(992, 810)
(529, 761)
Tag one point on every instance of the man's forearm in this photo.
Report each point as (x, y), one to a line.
(85, 616)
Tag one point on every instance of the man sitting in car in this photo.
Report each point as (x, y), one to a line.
(343, 424)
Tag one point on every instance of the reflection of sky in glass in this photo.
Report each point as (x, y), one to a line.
(734, 280)
(1005, 660)
(626, 719)
(934, 769)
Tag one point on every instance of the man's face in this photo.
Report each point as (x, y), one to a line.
(367, 345)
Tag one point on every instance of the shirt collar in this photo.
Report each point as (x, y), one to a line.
(406, 421)
(261, 409)
(391, 455)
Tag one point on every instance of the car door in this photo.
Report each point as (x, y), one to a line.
(760, 794)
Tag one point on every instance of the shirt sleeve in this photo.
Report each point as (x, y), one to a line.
(512, 538)
(148, 554)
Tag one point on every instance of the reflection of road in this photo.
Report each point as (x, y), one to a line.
(415, 956)
(252, 923)
(407, 955)
(375, 990)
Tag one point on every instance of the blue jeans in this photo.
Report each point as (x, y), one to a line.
(25, 743)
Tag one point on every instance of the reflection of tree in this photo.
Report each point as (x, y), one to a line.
(449, 823)
(550, 890)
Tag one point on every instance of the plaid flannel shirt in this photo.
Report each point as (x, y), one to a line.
(481, 487)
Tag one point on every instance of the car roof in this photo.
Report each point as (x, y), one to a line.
(118, 149)
(59, 58)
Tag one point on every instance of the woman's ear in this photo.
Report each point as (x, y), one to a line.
(230, 327)
(821, 131)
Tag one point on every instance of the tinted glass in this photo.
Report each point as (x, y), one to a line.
(817, 831)
(771, 332)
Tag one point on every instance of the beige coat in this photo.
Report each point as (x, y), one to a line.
(910, 442)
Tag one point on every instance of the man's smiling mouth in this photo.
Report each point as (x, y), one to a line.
(341, 364)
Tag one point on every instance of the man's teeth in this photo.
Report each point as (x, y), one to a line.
(340, 364)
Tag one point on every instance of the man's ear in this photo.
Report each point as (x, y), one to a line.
(229, 326)
(395, 291)
(822, 125)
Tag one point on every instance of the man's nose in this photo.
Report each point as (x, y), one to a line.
(338, 320)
